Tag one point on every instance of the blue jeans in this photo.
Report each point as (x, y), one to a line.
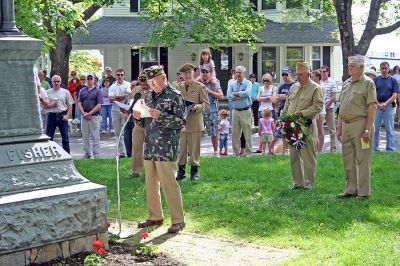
(55, 120)
(388, 121)
(106, 113)
(79, 116)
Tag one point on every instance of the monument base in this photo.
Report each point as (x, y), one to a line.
(41, 225)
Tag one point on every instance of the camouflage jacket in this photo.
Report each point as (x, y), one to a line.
(161, 137)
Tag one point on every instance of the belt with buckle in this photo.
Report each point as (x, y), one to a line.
(348, 121)
(247, 108)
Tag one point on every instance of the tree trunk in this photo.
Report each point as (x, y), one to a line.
(59, 55)
(343, 11)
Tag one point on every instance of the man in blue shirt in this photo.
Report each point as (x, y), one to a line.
(211, 114)
(386, 92)
(239, 92)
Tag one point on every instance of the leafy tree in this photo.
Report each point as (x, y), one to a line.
(383, 17)
(83, 62)
(202, 21)
(53, 21)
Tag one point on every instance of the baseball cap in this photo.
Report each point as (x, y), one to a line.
(90, 74)
(108, 68)
(287, 70)
(205, 67)
(252, 75)
(370, 71)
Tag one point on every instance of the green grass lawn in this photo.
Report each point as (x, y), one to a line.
(249, 199)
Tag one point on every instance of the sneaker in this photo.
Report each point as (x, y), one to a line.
(216, 154)
(86, 156)
(103, 131)
(175, 228)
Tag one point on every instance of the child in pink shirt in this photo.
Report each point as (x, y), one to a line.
(266, 130)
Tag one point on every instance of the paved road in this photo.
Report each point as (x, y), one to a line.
(108, 144)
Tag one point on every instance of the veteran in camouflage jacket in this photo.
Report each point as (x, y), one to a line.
(161, 144)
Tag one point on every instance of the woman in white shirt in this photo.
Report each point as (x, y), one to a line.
(266, 95)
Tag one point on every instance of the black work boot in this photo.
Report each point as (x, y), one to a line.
(181, 172)
(194, 173)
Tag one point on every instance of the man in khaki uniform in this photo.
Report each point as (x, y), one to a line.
(304, 99)
(138, 130)
(193, 91)
(356, 125)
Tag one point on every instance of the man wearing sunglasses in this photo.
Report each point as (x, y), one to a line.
(89, 104)
(118, 92)
(58, 116)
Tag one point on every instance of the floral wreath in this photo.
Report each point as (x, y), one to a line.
(291, 128)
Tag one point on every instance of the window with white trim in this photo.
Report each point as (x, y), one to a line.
(149, 57)
(269, 62)
(294, 54)
(316, 57)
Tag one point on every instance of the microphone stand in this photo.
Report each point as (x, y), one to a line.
(122, 235)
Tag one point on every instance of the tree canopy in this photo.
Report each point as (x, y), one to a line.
(214, 22)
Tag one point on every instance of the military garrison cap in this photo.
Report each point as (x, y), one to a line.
(186, 67)
(153, 71)
(303, 66)
(142, 76)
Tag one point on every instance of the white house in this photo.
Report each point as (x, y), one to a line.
(120, 31)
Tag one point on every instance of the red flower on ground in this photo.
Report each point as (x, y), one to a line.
(144, 235)
(287, 124)
(108, 225)
(296, 131)
(100, 251)
(97, 244)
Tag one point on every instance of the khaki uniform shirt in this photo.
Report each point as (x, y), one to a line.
(355, 97)
(195, 92)
(305, 99)
(62, 97)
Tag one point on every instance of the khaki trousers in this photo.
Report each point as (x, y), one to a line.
(137, 149)
(118, 122)
(241, 121)
(160, 172)
(330, 122)
(189, 144)
(304, 161)
(357, 162)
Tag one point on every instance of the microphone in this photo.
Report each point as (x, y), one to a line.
(136, 97)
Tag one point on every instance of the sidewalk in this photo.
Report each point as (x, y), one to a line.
(108, 144)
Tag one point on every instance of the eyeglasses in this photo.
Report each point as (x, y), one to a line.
(89, 78)
(120, 75)
(204, 71)
(82, 79)
(73, 74)
(285, 74)
(266, 80)
(56, 81)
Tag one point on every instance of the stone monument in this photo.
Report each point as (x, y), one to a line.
(47, 209)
